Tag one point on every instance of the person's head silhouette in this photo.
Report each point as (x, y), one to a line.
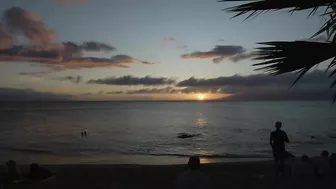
(325, 153)
(11, 164)
(304, 158)
(278, 125)
(194, 163)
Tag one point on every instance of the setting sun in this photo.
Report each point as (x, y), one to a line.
(200, 96)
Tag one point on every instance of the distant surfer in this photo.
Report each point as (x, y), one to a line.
(277, 141)
(85, 133)
(185, 135)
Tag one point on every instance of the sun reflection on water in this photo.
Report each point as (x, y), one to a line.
(200, 120)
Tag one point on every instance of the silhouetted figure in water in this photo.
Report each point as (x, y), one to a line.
(85, 133)
(193, 178)
(38, 173)
(277, 141)
(82, 133)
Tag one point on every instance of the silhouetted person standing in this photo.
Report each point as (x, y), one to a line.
(277, 141)
(193, 178)
(12, 174)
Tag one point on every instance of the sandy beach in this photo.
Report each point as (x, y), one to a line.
(223, 175)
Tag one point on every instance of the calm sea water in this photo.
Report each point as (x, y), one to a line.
(146, 132)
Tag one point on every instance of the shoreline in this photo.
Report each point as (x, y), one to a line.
(129, 159)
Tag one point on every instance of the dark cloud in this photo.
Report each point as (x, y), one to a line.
(34, 74)
(95, 46)
(146, 62)
(12, 94)
(314, 86)
(219, 53)
(130, 80)
(93, 94)
(42, 48)
(121, 58)
(86, 94)
(150, 91)
(242, 56)
(70, 50)
(87, 46)
(64, 59)
(168, 90)
(17, 53)
(73, 79)
(116, 92)
(316, 77)
(21, 21)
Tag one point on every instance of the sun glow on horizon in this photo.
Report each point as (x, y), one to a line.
(200, 96)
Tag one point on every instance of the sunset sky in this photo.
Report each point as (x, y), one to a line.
(143, 50)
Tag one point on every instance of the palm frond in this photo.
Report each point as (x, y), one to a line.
(263, 5)
(283, 57)
(289, 56)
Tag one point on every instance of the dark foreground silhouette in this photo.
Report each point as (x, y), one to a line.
(223, 175)
(193, 178)
(278, 138)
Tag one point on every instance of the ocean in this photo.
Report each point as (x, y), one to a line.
(147, 132)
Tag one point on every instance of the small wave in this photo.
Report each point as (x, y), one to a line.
(314, 142)
(311, 142)
(239, 130)
(28, 150)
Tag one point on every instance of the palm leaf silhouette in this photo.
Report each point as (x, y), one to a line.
(289, 56)
(255, 7)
